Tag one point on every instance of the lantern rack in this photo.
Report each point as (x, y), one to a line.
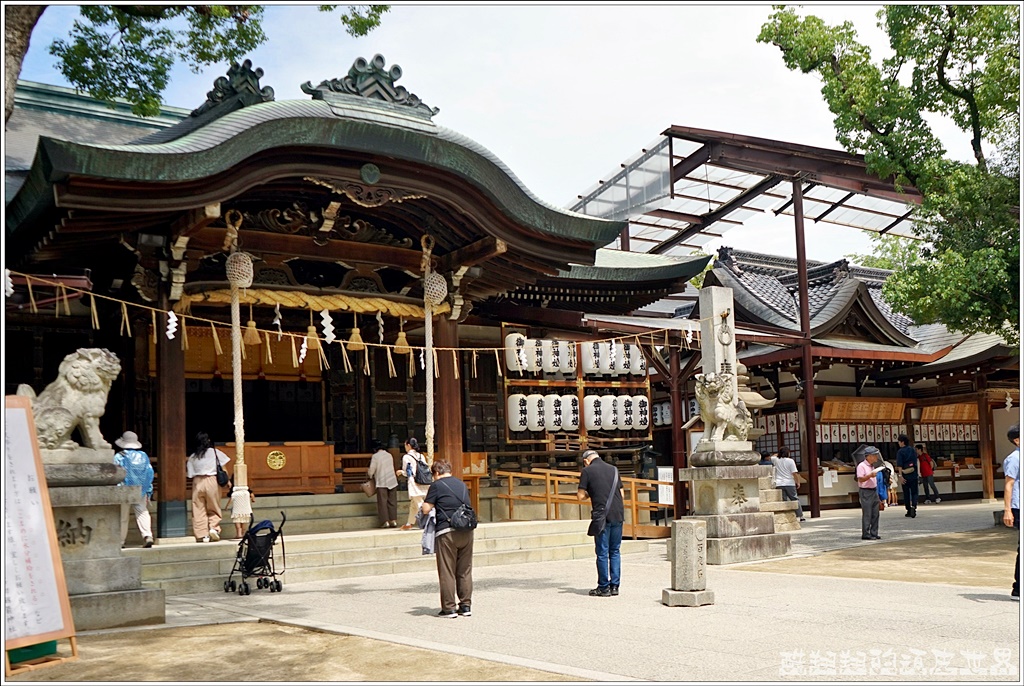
(580, 385)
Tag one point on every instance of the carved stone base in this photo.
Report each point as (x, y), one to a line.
(89, 474)
(104, 587)
(725, 454)
(674, 598)
(79, 455)
(706, 446)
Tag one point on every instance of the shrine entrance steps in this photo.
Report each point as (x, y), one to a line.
(181, 566)
(783, 510)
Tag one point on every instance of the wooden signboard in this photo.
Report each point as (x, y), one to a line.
(961, 412)
(872, 410)
(36, 604)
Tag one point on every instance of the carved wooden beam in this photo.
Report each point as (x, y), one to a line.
(195, 220)
(211, 240)
(474, 253)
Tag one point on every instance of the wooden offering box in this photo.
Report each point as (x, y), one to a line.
(289, 467)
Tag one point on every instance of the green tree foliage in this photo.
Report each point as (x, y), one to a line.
(127, 51)
(889, 252)
(961, 62)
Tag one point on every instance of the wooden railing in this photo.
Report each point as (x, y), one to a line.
(552, 498)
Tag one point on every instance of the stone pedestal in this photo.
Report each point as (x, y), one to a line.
(688, 547)
(726, 496)
(104, 587)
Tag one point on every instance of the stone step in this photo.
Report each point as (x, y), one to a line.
(181, 566)
(779, 506)
(772, 495)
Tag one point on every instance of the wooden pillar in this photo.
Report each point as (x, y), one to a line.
(171, 446)
(808, 446)
(675, 384)
(986, 448)
(448, 410)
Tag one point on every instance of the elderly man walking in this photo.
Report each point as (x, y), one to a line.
(866, 471)
(600, 482)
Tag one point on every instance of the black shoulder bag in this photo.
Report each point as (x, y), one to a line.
(597, 525)
(464, 518)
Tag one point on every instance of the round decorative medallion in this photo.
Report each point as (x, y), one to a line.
(369, 173)
(700, 534)
(276, 459)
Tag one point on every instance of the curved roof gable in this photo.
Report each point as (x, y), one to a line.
(842, 300)
(377, 119)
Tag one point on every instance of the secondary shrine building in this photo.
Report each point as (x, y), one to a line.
(558, 329)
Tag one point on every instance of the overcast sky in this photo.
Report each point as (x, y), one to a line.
(562, 94)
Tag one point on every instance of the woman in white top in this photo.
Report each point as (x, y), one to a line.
(416, 491)
(201, 467)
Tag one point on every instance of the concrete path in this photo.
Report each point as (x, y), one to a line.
(876, 622)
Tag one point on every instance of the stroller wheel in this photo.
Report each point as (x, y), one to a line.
(270, 585)
(233, 586)
(259, 582)
(277, 585)
(227, 587)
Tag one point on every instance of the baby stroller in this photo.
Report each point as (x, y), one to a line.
(255, 557)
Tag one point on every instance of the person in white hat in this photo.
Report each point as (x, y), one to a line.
(138, 472)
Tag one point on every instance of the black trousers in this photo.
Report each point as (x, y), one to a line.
(1016, 567)
(387, 504)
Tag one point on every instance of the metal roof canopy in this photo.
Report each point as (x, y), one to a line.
(691, 185)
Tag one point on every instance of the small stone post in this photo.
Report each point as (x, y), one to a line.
(689, 565)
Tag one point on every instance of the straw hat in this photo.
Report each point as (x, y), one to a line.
(129, 441)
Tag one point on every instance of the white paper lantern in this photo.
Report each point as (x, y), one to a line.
(609, 417)
(666, 413)
(625, 411)
(591, 361)
(553, 412)
(570, 413)
(656, 414)
(592, 411)
(606, 364)
(548, 362)
(623, 357)
(641, 412)
(534, 355)
(566, 357)
(535, 412)
(515, 412)
(638, 363)
(514, 342)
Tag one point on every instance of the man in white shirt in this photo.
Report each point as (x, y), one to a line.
(787, 478)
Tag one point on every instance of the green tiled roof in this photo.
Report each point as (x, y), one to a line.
(617, 265)
(229, 140)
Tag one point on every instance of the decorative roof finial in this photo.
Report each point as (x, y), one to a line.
(241, 87)
(370, 80)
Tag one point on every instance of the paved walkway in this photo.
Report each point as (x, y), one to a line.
(766, 624)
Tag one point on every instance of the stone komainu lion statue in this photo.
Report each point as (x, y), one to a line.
(724, 418)
(77, 398)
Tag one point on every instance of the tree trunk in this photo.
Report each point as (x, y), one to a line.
(20, 20)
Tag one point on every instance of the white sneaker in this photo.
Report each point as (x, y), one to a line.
(938, 500)
(214, 535)
(204, 539)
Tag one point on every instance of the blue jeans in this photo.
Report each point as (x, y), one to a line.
(609, 563)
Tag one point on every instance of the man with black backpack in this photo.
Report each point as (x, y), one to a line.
(453, 539)
(600, 482)
(417, 472)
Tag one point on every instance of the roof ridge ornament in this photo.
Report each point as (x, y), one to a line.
(241, 87)
(371, 81)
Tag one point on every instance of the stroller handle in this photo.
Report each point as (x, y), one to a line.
(284, 518)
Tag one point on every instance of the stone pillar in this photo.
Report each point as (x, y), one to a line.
(104, 588)
(689, 566)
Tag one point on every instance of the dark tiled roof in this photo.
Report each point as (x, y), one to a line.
(769, 290)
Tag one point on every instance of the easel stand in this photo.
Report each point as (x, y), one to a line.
(39, 662)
